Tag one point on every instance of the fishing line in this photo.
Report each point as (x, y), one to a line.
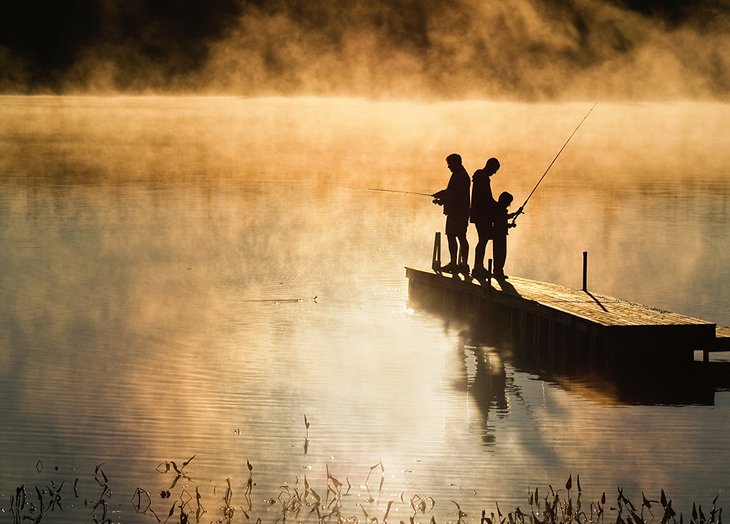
(400, 192)
(554, 159)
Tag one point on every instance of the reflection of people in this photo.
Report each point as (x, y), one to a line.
(490, 390)
(482, 211)
(501, 227)
(455, 199)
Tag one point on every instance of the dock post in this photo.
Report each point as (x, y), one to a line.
(585, 270)
(436, 257)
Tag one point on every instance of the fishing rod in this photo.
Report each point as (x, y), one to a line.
(279, 300)
(554, 159)
(400, 192)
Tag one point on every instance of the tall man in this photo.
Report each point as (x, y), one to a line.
(455, 199)
(482, 212)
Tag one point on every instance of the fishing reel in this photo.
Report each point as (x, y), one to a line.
(438, 198)
(519, 212)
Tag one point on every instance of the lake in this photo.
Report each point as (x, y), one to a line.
(209, 280)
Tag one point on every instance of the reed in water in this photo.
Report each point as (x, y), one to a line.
(333, 502)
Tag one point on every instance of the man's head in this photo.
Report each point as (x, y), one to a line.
(492, 166)
(453, 161)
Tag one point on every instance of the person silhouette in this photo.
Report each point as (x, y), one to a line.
(455, 200)
(482, 212)
(501, 230)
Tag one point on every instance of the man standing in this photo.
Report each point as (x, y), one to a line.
(455, 199)
(482, 213)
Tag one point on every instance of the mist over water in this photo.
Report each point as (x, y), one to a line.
(424, 49)
(161, 256)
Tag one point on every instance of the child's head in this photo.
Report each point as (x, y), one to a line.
(505, 199)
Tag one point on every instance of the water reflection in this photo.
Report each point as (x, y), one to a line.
(488, 386)
(495, 344)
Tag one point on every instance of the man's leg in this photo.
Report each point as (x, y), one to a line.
(453, 246)
(479, 253)
(481, 247)
(453, 250)
(463, 251)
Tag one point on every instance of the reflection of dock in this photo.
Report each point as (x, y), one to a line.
(594, 329)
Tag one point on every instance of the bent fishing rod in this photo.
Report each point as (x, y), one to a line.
(554, 159)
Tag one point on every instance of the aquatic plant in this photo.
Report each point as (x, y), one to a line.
(49, 498)
(332, 503)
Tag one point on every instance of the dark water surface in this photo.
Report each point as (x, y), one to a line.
(159, 266)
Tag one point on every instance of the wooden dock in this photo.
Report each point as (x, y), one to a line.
(595, 327)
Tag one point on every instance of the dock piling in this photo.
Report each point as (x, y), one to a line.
(585, 270)
(436, 257)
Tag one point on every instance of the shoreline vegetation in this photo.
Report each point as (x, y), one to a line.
(332, 502)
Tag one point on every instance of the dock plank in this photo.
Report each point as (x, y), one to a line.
(600, 309)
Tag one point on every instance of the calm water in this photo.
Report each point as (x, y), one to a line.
(159, 266)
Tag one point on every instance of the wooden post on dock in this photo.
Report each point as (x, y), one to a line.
(436, 257)
(585, 270)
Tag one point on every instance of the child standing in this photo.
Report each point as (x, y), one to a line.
(501, 228)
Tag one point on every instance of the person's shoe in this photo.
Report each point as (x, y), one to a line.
(464, 270)
(448, 268)
(479, 272)
(500, 275)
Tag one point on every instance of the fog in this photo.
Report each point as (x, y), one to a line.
(525, 50)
